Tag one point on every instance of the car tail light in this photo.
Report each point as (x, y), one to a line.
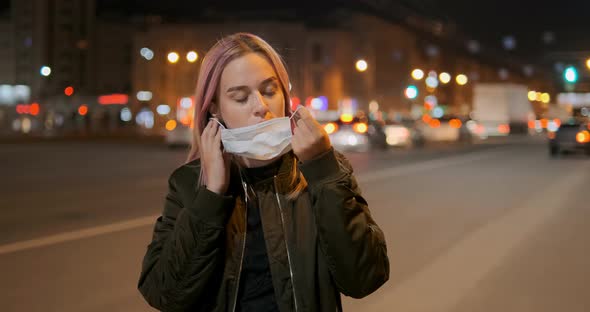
(330, 127)
(434, 123)
(544, 123)
(346, 117)
(583, 137)
(455, 123)
(360, 127)
(504, 128)
(531, 124)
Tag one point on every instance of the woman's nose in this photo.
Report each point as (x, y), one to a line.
(260, 106)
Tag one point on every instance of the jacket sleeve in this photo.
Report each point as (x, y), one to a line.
(352, 243)
(187, 245)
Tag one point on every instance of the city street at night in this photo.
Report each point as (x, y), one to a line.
(488, 227)
(466, 124)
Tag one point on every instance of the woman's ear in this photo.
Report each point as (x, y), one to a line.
(214, 110)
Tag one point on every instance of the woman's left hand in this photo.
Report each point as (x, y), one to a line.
(309, 137)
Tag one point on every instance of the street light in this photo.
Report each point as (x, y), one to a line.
(417, 74)
(361, 65)
(570, 74)
(147, 53)
(461, 79)
(532, 95)
(45, 71)
(411, 92)
(192, 56)
(444, 78)
(588, 63)
(173, 57)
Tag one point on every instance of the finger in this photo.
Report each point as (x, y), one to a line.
(217, 139)
(305, 114)
(309, 120)
(296, 139)
(207, 128)
(304, 129)
(214, 129)
(208, 134)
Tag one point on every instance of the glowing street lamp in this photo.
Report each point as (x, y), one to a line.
(411, 92)
(532, 95)
(461, 79)
(45, 71)
(192, 56)
(361, 65)
(417, 74)
(444, 78)
(570, 74)
(173, 57)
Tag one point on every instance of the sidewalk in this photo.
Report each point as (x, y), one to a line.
(513, 139)
(109, 138)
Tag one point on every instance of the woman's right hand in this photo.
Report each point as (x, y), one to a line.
(214, 161)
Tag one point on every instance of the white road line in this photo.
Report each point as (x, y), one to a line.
(428, 165)
(77, 235)
(449, 278)
(144, 221)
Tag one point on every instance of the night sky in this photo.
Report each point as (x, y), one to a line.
(487, 21)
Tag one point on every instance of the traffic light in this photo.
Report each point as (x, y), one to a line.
(570, 74)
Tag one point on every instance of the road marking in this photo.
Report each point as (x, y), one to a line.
(150, 220)
(442, 284)
(77, 235)
(428, 165)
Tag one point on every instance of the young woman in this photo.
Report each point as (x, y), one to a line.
(265, 215)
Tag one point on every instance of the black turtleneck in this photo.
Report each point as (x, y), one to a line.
(256, 292)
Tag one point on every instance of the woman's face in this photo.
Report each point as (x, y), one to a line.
(249, 92)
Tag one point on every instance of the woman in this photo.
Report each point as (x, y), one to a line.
(265, 216)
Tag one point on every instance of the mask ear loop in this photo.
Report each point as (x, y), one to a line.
(293, 119)
(217, 121)
(222, 126)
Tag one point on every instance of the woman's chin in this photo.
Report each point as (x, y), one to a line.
(253, 163)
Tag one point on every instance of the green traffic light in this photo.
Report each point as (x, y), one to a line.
(570, 74)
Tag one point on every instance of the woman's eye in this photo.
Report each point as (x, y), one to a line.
(241, 98)
(270, 92)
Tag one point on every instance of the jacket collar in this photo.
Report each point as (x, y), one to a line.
(283, 176)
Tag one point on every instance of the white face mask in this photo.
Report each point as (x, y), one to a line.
(262, 141)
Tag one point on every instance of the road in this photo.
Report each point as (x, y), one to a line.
(473, 228)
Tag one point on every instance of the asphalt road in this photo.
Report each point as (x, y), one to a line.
(469, 228)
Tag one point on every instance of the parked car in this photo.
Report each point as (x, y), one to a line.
(570, 137)
(403, 133)
(349, 133)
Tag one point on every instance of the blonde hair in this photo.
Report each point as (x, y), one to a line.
(221, 54)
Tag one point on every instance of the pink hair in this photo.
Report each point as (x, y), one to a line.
(223, 52)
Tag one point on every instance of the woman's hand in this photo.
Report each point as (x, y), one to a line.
(309, 137)
(215, 162)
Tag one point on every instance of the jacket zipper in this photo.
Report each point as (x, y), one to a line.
(286, 243)
(243, 246)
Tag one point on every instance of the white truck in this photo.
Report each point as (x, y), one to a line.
(501, 108)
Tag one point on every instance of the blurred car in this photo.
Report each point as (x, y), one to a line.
(349, 133)
(403, 133)
(445, 129)
(570, 137)
(376, 133)
(179, 136)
